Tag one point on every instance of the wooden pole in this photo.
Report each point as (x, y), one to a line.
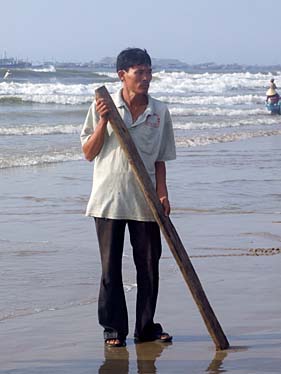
(164, 222)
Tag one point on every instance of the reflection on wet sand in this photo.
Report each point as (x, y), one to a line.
(147, 353)
(216, 366)
(117, 359)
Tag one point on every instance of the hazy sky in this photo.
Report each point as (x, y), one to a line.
(194, 31)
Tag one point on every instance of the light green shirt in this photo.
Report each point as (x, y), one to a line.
(115, 192)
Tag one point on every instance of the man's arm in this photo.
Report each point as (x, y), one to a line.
(94, 144)
(161, 186)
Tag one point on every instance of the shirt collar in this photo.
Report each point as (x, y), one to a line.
(121, 103)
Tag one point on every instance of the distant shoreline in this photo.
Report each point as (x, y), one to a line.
(108, 63)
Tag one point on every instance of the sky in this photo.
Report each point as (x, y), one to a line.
(220, 31)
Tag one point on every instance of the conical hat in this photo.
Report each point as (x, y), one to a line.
(270, 92)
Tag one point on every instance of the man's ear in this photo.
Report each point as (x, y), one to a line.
(121, 74)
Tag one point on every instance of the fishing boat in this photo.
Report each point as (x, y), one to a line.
(274, 108)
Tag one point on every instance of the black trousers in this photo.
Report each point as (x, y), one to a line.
(112, 310)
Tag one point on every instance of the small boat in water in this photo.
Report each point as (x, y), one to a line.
(274, 108)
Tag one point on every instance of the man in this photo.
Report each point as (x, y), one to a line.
(117, 200)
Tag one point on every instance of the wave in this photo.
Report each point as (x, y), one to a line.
(52, 73)
(49, 69)
(46, 129)
(183, 82)
(50, 93)
(254, 121)
(223, 138)
(41, 89)
(217, 111)
(39, 160)
(47, 99)
(172, 87)
(40, 130)
(200, 100)
(23, 160)
(45, 96)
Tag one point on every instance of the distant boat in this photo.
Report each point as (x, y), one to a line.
(8, 63)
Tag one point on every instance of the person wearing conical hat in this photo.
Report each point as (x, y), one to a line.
(271, 92)
(272, 95)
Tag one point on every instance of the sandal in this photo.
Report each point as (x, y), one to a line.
(115, 342)
(162, 337)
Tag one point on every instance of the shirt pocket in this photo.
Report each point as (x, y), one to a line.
(146, 139)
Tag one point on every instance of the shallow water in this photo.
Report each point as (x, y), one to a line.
(227, 203)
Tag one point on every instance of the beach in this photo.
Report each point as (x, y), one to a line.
(225, 200)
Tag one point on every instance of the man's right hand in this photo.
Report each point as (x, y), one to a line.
(102, 109)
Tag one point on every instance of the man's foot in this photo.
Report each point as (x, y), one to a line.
(115, 343)
(162, 337)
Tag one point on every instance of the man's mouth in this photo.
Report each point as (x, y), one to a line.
(144, 85)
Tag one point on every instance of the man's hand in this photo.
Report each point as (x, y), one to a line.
(102, 109)
(166, 205)
(95, 142)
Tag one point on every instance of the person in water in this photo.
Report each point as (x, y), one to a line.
(272, 96)
(7, 74)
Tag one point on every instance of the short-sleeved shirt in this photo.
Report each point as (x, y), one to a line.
(115, 192)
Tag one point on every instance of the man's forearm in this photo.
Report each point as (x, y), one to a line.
(160, 174)
(94, 144)
(161, 186)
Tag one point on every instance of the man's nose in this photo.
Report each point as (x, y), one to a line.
(146, 77)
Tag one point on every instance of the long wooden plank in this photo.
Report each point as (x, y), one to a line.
(164, 222)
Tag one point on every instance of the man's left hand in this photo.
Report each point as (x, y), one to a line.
(166, 205)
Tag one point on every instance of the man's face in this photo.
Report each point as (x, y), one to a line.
(137, 78)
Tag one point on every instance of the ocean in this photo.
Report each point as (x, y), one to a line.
(42, 110)
(224, 185)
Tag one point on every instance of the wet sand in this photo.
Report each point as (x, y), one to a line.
(244, 293)
(243, 288)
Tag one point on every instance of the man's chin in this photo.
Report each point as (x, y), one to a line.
(144, 90)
